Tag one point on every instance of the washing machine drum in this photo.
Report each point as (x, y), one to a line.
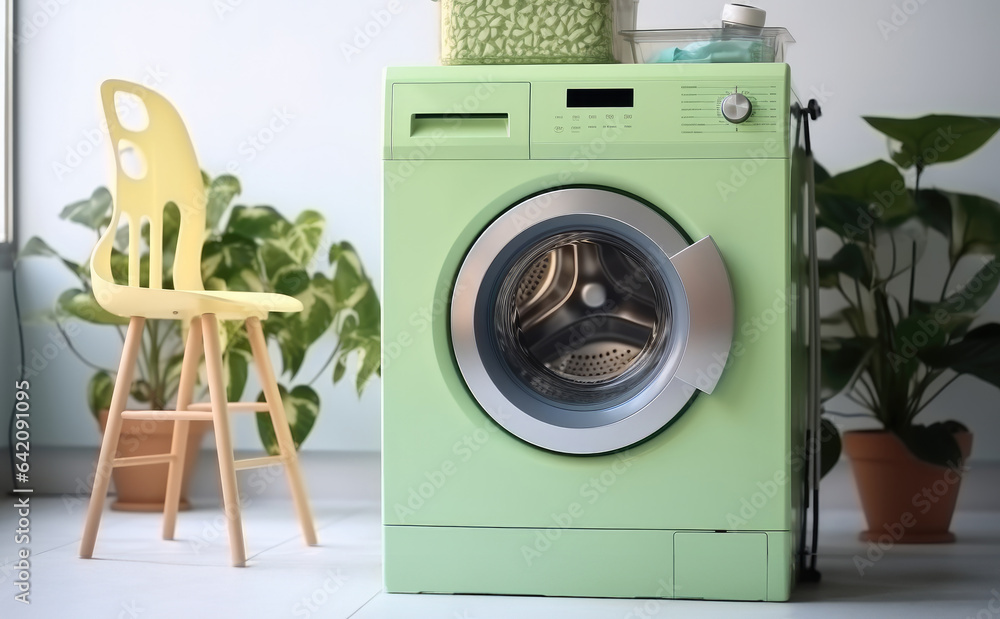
(583, 321)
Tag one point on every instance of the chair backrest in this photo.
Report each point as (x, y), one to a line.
(169, 173)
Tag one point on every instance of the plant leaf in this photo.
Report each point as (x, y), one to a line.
(304, 237)
(978, 354)
(232, 259)
(975, 225)
(935, 138)
(291, 281)
(369, 362)
(830, 446)
(93, 212)
(850, 261)
(257, 223)
(219, 195)
(845, 216)
(37, 247)
(877, 185)
(935, 443)
(842, 363)
(99, 392)
(236, 362)
(820, 175)
(934, 209)
(931, 324)
(301, 408)
(84, 306)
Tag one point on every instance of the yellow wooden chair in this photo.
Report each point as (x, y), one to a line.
(171, 174)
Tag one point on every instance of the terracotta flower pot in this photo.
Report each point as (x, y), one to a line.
(906, 499)
(144, 488)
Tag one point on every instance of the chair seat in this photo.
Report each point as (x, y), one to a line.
(185, 304)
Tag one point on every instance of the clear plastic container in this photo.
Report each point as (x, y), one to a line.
(709, 45)
(535, 31)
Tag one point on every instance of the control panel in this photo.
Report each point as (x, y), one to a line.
(642, 119)
(589, 112)
(715, 108)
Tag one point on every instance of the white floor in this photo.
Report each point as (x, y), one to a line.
(138, 575)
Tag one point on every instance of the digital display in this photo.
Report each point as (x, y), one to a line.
(600, 97)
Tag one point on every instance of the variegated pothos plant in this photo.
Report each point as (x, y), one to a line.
(250, 249)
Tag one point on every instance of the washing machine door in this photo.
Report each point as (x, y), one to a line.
(583, 321)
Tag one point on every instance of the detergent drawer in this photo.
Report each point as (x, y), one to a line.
(475, 120)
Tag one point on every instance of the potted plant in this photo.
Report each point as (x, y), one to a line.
(245, 248)
(891, 348)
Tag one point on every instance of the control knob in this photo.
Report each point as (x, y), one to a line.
(736, 108)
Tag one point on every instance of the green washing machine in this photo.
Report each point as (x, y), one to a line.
(595, 358)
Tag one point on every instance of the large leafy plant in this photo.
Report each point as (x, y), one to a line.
(249, 249)
(888, 349)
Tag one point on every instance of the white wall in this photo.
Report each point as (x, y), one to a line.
(228, 72)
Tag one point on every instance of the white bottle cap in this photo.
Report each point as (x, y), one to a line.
(743, 15)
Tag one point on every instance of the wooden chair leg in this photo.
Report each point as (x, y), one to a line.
(223, 438)
(109, 444)
(178, 445)
(281, 430)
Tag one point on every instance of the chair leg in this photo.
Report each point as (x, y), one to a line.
(223, 438)
(178, 445)
(281, 430)
(109, 444)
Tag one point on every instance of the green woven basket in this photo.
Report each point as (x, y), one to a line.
(527, 31)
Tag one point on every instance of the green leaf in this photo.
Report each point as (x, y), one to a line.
(304, 237)
(339, 368)
(232, 259)
(877, 185)
(847, 322)
(843, 360)
(845, 216)
(830, 446)
(172, 370)
(37, 247)
(935, 443)
(277, 258)
(296, 246)
(977, 291)
(978, 354)
(301, 408)
(934, 209)
(820, 175)
(292, 281)
(122, 238)
(119, 268)
(931, 324)
(369, 362)
(99, 392)
(142, 391)
(975, 225)
(935, 138)
(84, 306)
(257, 223)
(237, 363)
(94, 212)
(850, 261)
(350, 283)
(285, 330)
(220, 194)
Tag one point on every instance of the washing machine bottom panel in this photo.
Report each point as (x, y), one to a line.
(566, 561)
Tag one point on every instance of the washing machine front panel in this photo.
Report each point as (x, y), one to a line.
(584, 321)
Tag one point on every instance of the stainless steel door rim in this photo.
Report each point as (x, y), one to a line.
(528, 282)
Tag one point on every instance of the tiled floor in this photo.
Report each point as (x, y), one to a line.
(139, 576)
